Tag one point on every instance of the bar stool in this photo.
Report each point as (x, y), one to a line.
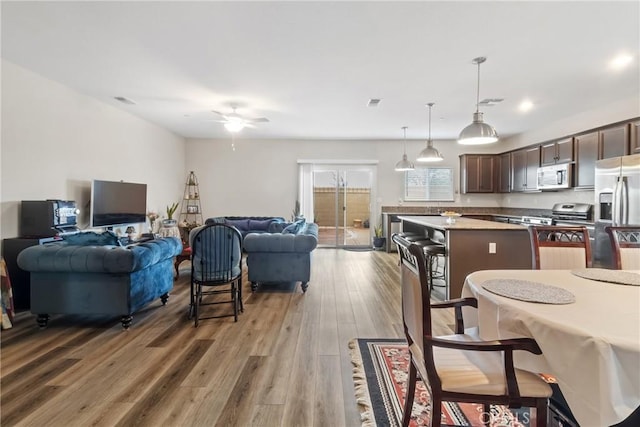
(432, 251)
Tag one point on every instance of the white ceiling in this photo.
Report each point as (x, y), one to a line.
(311, 67)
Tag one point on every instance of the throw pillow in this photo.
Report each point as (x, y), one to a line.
(91, 238)
(294, 228)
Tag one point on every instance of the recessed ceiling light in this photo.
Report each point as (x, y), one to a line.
(621, 61)
(525, 105)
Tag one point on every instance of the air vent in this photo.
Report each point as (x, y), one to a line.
(373, 102)
(125, 100)
(490, 102)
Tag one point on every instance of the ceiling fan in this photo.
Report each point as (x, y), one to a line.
(234, 122)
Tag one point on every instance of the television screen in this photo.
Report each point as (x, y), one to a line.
(117, 203)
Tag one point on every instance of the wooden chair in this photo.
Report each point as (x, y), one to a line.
(625, 242)
(460, 367)
(559, 248)
(216, 264)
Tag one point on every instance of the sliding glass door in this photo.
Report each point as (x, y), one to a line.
(341, 196)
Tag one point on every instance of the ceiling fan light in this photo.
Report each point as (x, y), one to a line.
(478, 132)
(404, 165)
(234, 126)
(429, 154)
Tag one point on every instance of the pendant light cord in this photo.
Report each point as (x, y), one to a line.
(478, 91)
(404, 129)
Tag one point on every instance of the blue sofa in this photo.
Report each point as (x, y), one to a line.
(281, 256)
(251, 224)
(89, 273)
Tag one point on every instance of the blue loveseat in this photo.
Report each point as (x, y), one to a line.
(281, 256)
(90, 273)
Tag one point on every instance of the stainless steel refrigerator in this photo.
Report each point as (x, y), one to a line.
(617, 201)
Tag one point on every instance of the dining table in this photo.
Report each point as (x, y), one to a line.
(586, 324)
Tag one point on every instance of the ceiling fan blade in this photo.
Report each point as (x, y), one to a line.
(258, 120)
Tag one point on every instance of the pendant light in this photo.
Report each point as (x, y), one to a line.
(404, 164)
(429, 154)
(478, 132)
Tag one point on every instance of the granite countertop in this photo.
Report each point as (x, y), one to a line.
(464, 210)
(461, 223)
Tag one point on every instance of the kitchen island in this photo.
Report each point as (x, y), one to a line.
(473, 245)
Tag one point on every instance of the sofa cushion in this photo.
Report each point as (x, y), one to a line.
(276, 226)
(91, 238)
(259, 225)
(240, 224)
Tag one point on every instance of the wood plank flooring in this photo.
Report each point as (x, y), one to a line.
(284, 363)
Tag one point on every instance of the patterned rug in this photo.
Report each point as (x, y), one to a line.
(380, 374)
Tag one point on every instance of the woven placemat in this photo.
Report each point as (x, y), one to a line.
(612, 276)
(525, 290)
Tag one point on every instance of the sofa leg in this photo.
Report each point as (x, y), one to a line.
(254, 286)
(304, 286)
(126, 321)
(42, 320)
(164, 298)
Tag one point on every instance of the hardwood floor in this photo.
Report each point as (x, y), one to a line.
(284, 363)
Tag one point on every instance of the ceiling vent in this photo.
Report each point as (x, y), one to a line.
(490, 102)
(125, 100)
(373, 102)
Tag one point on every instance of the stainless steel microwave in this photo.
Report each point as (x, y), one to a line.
(554, 177)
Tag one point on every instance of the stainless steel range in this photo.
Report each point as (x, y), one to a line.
(536, 220)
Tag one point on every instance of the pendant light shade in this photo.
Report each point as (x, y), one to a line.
(429, 154)
(404, 164)
(478, 132)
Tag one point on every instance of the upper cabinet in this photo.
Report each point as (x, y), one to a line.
(634, 142)
(524, 169)
(504, 172)
(586, 149)
(614, 141)
(556, 152)
(477, 172)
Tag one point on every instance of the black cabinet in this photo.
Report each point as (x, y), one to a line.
(20, 279)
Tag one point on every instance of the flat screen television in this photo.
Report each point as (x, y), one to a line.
(117, 203)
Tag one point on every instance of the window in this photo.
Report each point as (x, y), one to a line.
(429, 184)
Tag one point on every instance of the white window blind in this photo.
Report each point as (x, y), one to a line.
(429, 184)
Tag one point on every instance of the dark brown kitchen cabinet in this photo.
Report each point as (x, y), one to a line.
(556, 152)
(634, 138)
(614, 141)
(504, 172)
(477, 172)
(586, 150)
(524, 167)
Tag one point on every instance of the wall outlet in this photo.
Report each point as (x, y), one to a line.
(492, 248)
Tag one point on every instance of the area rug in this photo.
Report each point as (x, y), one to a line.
(380, 374)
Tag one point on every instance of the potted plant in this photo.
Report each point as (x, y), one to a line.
(378, 240)
(171, 209)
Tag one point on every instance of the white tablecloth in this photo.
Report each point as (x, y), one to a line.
(591, 346)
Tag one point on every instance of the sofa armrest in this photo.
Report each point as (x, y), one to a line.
(274, 242)
(62, 257)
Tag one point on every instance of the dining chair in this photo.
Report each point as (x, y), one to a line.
(460, 367)
(216, 268)
(559, 247)
(625, 243)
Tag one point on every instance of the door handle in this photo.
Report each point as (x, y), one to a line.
(624, 202)
(615, 217)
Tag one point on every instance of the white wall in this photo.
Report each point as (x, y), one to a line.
(260, 176)
(55, 141)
